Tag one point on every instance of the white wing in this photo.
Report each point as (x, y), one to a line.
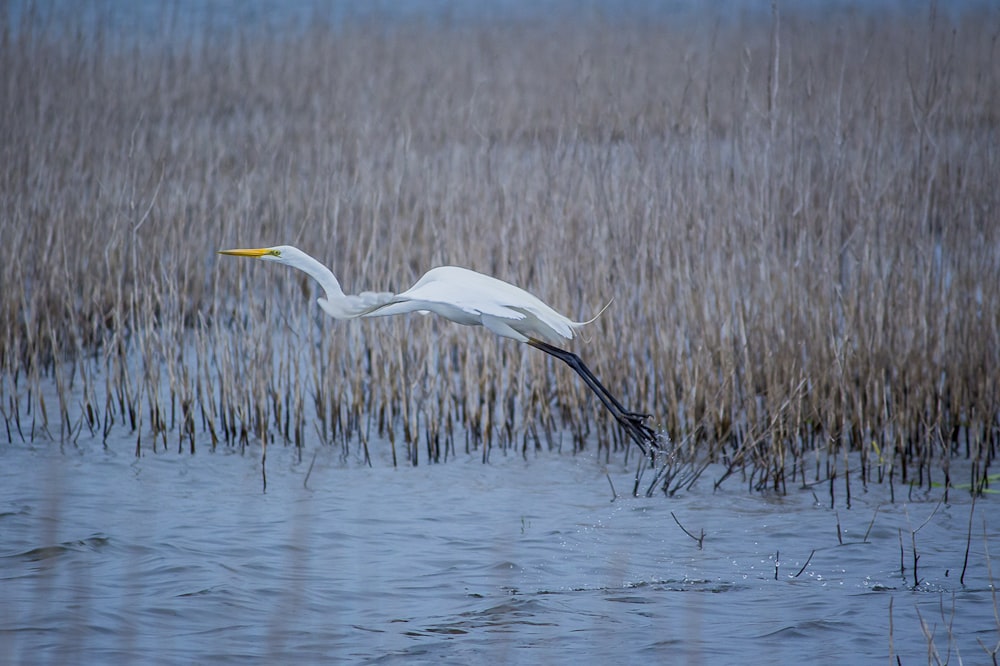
(473, 299)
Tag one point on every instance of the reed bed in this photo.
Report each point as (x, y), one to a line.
(796, 215)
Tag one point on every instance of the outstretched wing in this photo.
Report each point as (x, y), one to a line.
(471, 298)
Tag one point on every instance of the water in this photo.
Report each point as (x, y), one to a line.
(145, 18)
(173, 558)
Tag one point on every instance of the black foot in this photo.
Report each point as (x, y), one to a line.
(640, 433)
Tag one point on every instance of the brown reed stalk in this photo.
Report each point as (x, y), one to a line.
(795, 219)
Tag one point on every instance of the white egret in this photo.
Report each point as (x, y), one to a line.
(469, 298)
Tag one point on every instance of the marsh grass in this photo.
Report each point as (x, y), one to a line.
(796, 216)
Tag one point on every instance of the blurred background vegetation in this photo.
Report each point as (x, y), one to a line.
(795, 211)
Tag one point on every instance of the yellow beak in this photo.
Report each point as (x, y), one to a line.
(256, 252)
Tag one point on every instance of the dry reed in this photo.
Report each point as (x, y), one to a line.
(797, 217)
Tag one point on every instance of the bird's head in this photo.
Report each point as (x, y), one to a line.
(294, 258)
(282, 254)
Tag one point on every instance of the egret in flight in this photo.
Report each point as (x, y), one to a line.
(472, 299)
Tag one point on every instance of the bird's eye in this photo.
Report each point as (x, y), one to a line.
(275, 253)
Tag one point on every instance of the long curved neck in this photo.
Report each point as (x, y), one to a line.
(321, 274)
(336, 303)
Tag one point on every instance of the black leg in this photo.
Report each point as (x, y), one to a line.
(633, 422)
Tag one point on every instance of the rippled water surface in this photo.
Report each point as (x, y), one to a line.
(178, 559)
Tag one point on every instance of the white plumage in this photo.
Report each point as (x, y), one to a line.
(469, 298)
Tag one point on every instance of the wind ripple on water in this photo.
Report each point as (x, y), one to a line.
(186, 558)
